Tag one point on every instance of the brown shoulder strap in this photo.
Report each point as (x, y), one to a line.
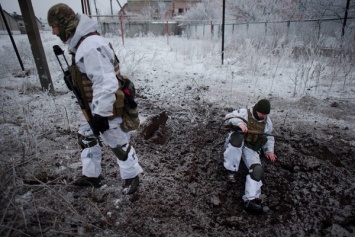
(85, 36)
(236, 117)
(81, 40)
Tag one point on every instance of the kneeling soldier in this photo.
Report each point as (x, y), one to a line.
(241, 144)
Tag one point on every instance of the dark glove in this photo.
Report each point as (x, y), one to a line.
(57, 50)
(99, 124)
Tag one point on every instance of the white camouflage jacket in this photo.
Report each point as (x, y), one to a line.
(243, 113)
(95, 58)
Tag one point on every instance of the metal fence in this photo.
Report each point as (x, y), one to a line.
(325, 31)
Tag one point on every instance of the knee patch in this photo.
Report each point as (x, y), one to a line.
(256, 172)
(86, 142)
(120, 153)
(236, 139)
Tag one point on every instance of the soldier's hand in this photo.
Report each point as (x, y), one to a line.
(271, 156)
(243, 128)
(99, 124)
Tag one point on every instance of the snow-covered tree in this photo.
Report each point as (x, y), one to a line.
(146, 13)
(325, 8)
(206, 10)
(261, 10)
(269, 10)
(163, 7)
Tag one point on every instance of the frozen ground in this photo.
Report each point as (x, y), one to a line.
(183, 192)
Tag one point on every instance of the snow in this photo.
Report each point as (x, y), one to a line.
(177, 70)
(309, 93)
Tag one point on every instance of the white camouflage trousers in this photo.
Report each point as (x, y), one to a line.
(232, 157)
(91, 156)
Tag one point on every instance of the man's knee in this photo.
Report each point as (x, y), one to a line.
(236, 139)
(120, 153)
(86, 142)
(256, 172)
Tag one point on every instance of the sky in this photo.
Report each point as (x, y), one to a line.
(41, 7)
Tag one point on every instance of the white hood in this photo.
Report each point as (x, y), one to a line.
(85, 26)
(94, 57)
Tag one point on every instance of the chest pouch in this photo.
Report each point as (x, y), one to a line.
(255, 141)
(130, 114)
(258, 144)
(82, 82)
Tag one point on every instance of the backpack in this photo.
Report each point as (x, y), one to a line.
(130, 118)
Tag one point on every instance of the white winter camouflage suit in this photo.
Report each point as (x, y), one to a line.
(95, 58)
(232, 155)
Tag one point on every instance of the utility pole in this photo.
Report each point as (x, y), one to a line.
(345, 17)
(223, 21)
(121, 7)
(36, 45)
(82, 6)
(89, 9)
(97, 14)
(111, 8)
(12, 38)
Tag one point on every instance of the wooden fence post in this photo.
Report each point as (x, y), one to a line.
(122, 30)
(167, 31)
(36, 45)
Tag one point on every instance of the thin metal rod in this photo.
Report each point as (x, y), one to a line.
(12, 39)
(223, 21)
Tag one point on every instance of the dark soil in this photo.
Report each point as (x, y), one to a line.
(309, 190)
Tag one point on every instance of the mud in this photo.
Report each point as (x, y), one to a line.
(309, 190)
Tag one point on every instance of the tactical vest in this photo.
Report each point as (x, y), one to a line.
(254, 141)
(84, 84)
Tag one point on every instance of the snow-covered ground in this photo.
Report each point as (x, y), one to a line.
(176, 70)
(310, 94)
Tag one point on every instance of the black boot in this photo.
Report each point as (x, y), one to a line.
(253, 206)
(131, 185)
(85, 181)
(231, 176)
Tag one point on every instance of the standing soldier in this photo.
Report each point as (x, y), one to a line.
(241, 144)
(95, 72)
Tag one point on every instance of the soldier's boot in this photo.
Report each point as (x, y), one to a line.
(130, 186)
(253, 206)
(231, 177)
(85, 181)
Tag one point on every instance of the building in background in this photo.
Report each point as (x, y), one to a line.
(11, 22)
(15, 23)
(158, 9)
(21, 23)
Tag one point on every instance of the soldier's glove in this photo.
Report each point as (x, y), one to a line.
(99, 124)
(58, 50)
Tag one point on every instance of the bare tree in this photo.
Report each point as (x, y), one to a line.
(242, 10)
(146, 13)
(206, 10)
(269, 10)
(163, 8)
(324, 8)
(261, 10)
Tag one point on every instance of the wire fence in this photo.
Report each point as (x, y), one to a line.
(303, 31)
(326, 33)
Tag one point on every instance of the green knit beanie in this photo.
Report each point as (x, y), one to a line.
(263, 106)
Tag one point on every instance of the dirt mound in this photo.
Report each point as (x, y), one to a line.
(309, 190)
